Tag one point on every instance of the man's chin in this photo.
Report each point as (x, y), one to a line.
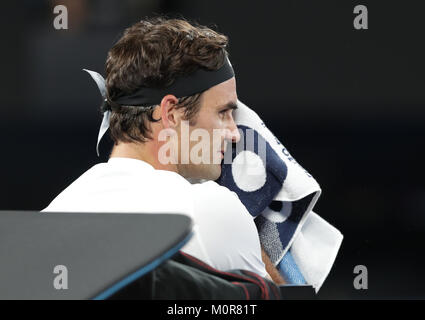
(217, 172)
(210, 172)
(201, 171)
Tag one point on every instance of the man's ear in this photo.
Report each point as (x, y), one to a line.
(170, 116)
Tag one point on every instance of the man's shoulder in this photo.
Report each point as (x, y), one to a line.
(86, 176)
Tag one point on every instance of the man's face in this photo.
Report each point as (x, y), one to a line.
(212, 132)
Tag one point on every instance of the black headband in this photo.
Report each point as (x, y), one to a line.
(183, 86)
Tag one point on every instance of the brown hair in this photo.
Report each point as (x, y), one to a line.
(152, 53)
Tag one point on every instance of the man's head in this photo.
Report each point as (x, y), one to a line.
(154, 53)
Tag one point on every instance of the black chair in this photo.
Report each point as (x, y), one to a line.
(102, 253)
(116, 256)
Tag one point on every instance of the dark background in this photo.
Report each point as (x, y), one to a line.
(348, 104)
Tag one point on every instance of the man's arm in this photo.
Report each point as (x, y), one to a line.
(271, 269)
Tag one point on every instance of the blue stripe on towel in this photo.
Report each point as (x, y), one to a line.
(289, 270)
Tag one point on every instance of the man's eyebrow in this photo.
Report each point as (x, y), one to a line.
(230, 105)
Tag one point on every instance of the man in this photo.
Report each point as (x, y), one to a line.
(169, 83)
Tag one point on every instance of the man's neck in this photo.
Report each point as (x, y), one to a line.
(146, 152)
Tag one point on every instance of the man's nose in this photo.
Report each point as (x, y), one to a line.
(232, 132)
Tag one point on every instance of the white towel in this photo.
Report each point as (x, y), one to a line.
(280, 195)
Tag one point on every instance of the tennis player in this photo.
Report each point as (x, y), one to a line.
(169, 94)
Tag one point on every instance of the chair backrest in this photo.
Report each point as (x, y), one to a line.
(83, 255)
